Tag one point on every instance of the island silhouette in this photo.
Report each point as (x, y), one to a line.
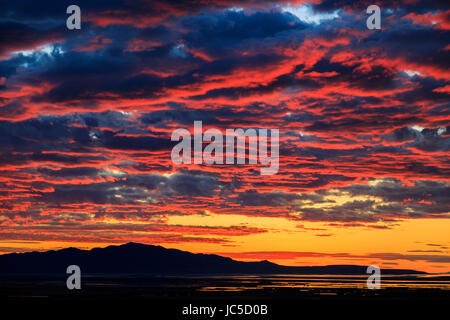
(137, 258)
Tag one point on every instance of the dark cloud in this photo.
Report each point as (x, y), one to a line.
(272, 199)
(86, 116)
(425, 139)
(69, 172)
(231, 28)
(17, 36)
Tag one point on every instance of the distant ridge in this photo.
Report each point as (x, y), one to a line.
(137, 258)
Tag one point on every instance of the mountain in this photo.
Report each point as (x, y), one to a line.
(136, 258)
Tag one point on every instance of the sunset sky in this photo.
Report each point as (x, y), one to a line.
(86, 118)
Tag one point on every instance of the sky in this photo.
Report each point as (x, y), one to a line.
(86, 118)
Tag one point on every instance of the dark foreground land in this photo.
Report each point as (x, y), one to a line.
(150, 282)
(286, 297)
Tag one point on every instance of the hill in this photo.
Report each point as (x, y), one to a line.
(136, 258)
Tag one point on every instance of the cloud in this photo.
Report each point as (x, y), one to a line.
(306, 13)
(289, 255)
(86, 117)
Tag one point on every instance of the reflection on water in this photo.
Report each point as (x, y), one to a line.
(307, 282)
(433, 286)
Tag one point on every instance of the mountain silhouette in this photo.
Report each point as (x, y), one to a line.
(136, 258)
